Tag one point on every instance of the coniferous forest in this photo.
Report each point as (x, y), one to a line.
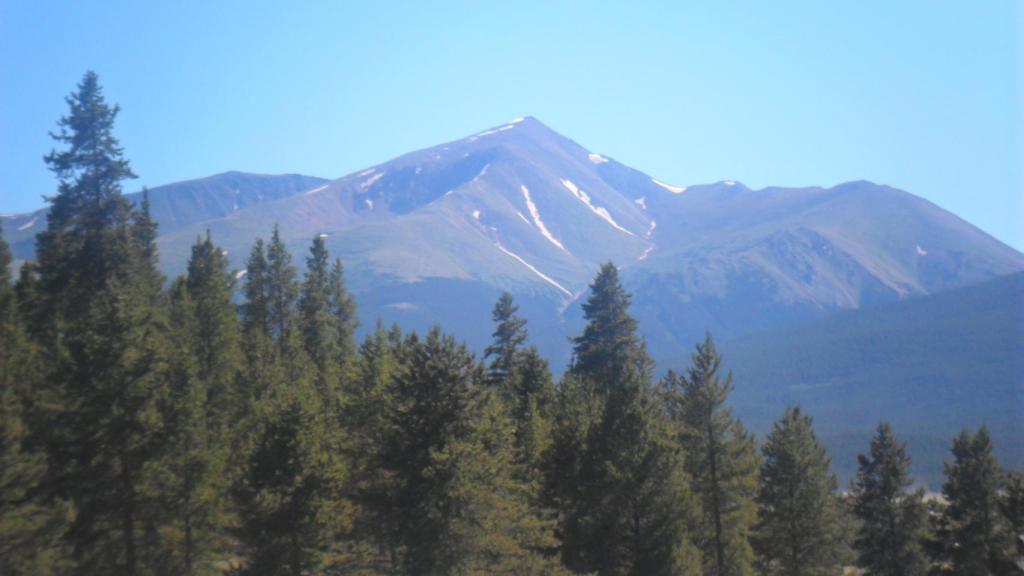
(230, 423)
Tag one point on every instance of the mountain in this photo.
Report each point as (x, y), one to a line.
(929, 365)
(436, 235)
(858, 301)
(521, 207)
(175, 206)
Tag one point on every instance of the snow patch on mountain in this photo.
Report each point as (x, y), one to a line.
(729, 182)
(537, 221)
(523, 218)
(597, 158)
(921, 251)
(240, 273)
(646, 253)
(476, 215)
(28, 224)
(533, 269)
(641, 202)
(650, 229)
(669, 187)
(317, 189)
(599, 210)
(365, 184)
(369, 203)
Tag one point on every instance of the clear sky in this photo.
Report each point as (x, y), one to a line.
(922, 95)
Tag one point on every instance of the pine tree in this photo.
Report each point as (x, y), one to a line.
(282, 291)
(509, 336)
(973, 482)
(30, 528)
(100, 332)
(216, 339)
(317, 322)
(279, 494)
(523, 380)
(616, 476)
(720, 459)
(287, 494)
(893, 520)
(609, 345)
(345, 315)
(798, 527)
(366, 418)
(461, 509)
(1011, 506)
(191, 475)
(255, 311)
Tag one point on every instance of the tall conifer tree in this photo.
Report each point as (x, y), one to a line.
(973, 482)
(893, 519)
(798, 532)
(509, 336)
(461, 509)
(318, 325)
(720, 458)
(30, 527)
(617, 476)
(101, 336)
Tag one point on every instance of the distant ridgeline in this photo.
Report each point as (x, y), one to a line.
(234, 421)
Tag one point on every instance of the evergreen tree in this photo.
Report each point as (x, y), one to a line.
(279, 496)
(191, 475)
(216, 340)
(720, 459)
(319, 332)
(461, 509)
(523, 379)
(509, 336)
(30, 527)
(973, 483)
(282, 291)
(1011, 506)
(100, 333)
(367, 414)
(609, 345)
(615, 474)
(345, 316)
(292, 516)
(893, 520)
(256, 309)
(798, 526)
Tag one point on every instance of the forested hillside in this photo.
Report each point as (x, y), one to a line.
(159, 427)
(933, 364)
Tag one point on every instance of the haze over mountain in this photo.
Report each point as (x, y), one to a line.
(435, 236)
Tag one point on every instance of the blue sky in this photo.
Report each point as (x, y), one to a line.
(922, 95)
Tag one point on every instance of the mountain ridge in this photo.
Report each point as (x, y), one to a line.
(520, 207)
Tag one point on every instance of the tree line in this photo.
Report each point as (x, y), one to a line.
(154, 427)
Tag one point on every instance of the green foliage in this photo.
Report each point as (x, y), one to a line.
(1011, 505)
(798, 530)
(893, 520)
(100, 324)
(460, 508)
(616, 476)
(153, 431)
(31, 528)
(977, 542)
(509, 335)
(720, 459)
